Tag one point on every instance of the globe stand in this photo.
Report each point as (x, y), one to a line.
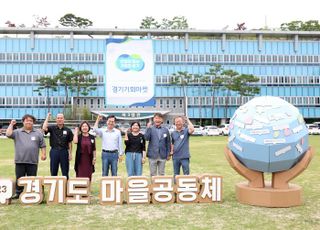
(278, 193)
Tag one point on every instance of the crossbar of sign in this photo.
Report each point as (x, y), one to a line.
(138, 190)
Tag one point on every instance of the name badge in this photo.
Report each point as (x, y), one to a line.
(164, 135)
(33, 138)
(64, 132)
(181, 136)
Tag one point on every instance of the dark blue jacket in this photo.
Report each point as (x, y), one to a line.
(158, 147)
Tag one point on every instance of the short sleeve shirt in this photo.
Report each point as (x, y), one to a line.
(27, 145)
(180, 141)
(60, 138)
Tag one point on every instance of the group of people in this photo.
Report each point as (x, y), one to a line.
(162, 146)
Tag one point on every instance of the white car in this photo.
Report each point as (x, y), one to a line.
(224, 129)
(211, 130)
(198, 130)
(313, 129)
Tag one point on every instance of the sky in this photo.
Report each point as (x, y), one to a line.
(128, 14)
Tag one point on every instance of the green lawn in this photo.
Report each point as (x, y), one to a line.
(207, 157)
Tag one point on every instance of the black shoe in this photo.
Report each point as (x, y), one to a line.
(15, 196)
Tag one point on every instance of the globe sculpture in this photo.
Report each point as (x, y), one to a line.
(268, 135)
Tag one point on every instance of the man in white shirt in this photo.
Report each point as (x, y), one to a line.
(111, 145)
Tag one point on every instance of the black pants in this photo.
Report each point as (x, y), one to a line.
(24, 170)
(59, 157)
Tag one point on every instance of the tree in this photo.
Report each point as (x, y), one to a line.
(64, 78)
(47, 84)
(183, 79)
(149, 23)
(242, 84)
(226, 80)
(215, 71)
(70, 20)
(311, 25)
(179, 23)
(82, 84)
(40, 21)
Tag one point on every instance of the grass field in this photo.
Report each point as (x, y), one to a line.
(207, 157)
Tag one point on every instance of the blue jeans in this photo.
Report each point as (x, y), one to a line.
(134, 164)
(177, 163)
(109, 159)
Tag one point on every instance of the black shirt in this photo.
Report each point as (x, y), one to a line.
(60, 138)
(135, 144)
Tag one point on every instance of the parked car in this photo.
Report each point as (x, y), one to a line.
(198, 130)
(3, 130)
(313, 129)
(211, 130)
(224, 129)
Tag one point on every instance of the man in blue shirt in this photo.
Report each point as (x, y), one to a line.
(111, 145)
(159, 145)
(180, 145)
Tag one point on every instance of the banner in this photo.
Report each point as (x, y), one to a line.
(129, 72)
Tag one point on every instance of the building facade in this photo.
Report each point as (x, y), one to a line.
(287, 65)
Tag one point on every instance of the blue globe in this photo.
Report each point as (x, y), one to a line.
(268, 134)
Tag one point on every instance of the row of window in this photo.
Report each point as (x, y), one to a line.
(235, 58)
(236, 101)
(169, 103)
(30, 79)
(263, 80)
(163, 58)
(55, 57)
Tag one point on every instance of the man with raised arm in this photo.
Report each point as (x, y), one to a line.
(111, 145)
(27, 142)
(61, 145)
(180, 145)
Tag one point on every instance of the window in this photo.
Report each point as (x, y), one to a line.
(226, 58)
(189, 58)
(55, 57)
(161, 103)
(183, 58)
(244, 58)
(94, 57)
(15, 57)
(195, 57)
(62, 57)
(274, 58)
(158, 58)
(170, 57)
(75, 57)
(100, 57)
(280, 59)
(49, 57)
(208, 58)
(168, 103)
(9, 78)
(88, 57)
(35, 57)
(164, 58)
(9, 57)
(180, 103)
(81, 57)
(22, 101)
(201, 58)
(42, 57)
(292, 59)
(177, 58)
